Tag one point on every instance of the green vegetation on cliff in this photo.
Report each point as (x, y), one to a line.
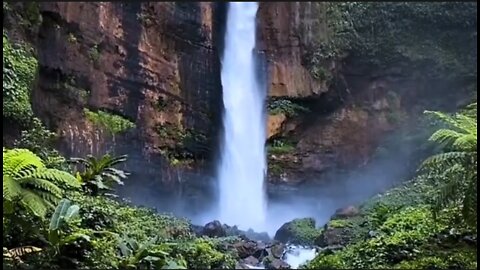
(429, 222)
(440, 37)
(112, 123)
(19, 71)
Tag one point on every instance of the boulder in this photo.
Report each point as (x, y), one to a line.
(335, 233)
(277, 250)
(250, 260)
(346, 212)
(214, 229)
(245, 248)
(298, 231)
(276, 264)
(196, 229)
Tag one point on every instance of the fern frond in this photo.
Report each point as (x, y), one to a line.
(56, 176)
(11, 188)
(42, 184)
(17, 160)
(34, 203)
(446, 159)
(49, 199)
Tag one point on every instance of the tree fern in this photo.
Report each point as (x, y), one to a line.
(454, 171)
(28, 183)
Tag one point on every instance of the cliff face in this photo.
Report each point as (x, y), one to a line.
(158, 65)
(155, 64)
(285, 31)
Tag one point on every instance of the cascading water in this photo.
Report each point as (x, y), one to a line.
(241, 169)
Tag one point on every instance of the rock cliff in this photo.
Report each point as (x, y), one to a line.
(158, 66)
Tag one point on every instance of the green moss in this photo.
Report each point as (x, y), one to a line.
(339, 223)
(112, 123)
(299, 231)
(19, 71)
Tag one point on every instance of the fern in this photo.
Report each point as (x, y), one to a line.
(98, 175)
(454, 172)
(31, 185)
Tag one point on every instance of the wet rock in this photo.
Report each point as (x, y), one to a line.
(263, 236)
(346, 212)
(277, 250)
(261, 251)
(330, 249)
(214, 229)
(246, 235)
(470, 239)
(372, 233)
(298, 231)
(250, 260)
(274, 263)
(245, 248)
(332, 236)
(197, 230)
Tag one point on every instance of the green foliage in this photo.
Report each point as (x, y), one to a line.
(299, 231)
(182, 145)
(279, 147)
(339, 223)
(41, 141)
(64, 214)
(98, 175)
(94, 54)
(101, 213)
(112, 123)
(31, 15)
(285, 106)
(19, 71)
(27, 182)
(441, 37)
(201, 253)
(455, 170)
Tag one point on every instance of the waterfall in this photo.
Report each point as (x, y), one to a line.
(241, 170)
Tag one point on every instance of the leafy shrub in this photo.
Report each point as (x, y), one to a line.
(19, 71)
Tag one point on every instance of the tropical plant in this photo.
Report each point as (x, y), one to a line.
(64, 213)
(455, 170)
(30, 184)
(98, 175)
(134, 253)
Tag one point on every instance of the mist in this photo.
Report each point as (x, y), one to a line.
(196, 197)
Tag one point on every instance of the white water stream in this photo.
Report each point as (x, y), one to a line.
(241, 170)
